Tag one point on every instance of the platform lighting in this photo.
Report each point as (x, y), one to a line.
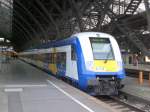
(98, 78)
(113, 78)
(146, 32)
(129, 50)
(1, 39)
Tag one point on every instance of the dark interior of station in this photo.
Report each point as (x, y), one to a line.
(27, 24)
(48, 65)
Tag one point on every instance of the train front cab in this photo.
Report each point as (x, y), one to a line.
(100, 65)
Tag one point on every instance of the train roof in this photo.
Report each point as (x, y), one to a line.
(91, 34)
(69, 40)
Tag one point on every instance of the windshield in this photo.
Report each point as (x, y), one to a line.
(102, 49)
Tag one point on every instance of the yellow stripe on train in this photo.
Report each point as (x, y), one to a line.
(108, 66)
(53, 68)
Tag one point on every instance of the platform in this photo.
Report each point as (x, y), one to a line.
(24, 88)
(133, 87)
(138, 67)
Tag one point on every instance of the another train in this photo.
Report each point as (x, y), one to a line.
(92, 60)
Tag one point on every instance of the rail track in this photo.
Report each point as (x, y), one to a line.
(126, 103)
(122, 103)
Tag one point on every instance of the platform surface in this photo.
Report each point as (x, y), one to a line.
(138, 67)
(133, 87)
(24, 88)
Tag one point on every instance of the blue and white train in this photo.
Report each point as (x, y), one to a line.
(92, 60)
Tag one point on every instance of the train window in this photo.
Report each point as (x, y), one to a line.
(55, 56)
(102, 48)
(52, 57)
(61, 57)
(42, 57)
(39, 57)
(73, 53)
(58, 59)
(46, 58)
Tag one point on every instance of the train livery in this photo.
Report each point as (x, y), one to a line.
(92, 60)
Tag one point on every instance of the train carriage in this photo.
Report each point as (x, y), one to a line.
(90, 59)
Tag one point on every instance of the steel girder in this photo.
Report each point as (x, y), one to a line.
(5, 20)
(57, 19)
(129, 33)
(31, 16)
(18, 25)
(147, 6)
(50, 18)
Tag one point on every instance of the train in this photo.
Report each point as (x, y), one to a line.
(91, 60)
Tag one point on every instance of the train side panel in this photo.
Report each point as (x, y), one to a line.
(58, 61)
(64, 66)
(74, 58)
(71, 67)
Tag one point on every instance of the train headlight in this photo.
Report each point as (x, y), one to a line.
(97, 78)
(113, 78)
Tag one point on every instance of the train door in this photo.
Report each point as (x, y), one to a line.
(73, 64)
(61, 63)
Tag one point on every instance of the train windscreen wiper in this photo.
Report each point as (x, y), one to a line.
(107, 57)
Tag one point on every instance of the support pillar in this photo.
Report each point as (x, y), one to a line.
(147, 7)
(140, 77)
